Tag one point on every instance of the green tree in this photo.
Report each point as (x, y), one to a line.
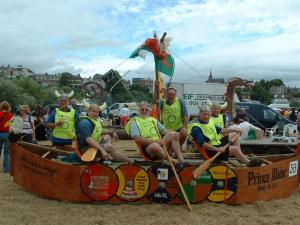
(65, 79)
(259, 93)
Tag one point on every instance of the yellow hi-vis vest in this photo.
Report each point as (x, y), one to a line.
(97, 132)
(209, 130)
(171, 115)
(146, 127)
(66, 131)
(219, 121)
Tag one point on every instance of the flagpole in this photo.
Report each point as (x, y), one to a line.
(156, 87)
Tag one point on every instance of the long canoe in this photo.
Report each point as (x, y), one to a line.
(39, 170)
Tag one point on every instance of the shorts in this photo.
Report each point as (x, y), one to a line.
(223, 156)
(84, 148)
(144, 147)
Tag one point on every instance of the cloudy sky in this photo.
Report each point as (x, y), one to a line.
(252, 39)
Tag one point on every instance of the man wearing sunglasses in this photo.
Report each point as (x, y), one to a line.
(174, 114)
(144, 130)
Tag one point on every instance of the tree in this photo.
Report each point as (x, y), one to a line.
(65, 79)
(259, 93)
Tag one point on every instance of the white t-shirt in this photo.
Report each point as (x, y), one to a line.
(27, 127)
(246, 126)
(124, 112)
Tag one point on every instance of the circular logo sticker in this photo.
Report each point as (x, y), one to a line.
(224, 183)
(171, 118)
(133, 182)
(99, 182)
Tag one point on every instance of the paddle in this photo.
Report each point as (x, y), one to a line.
(174, 170)
(203, 167)
(89, 155)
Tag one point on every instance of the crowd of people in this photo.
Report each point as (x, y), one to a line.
(213, 130)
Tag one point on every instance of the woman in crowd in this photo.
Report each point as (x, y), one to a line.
(5, 117)
(28, 131)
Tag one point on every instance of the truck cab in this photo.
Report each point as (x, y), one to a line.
(261, 115)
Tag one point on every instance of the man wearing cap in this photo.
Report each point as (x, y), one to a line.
(61, 120)
(144, 130)
(89, 133)
(174, 114)
(206, 134)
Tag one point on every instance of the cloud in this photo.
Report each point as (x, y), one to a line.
(251, 39)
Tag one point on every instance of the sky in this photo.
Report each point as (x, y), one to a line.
(250, 39)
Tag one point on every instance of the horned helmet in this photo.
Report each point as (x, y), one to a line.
(64, 95)
(212, 105)
(88, 105)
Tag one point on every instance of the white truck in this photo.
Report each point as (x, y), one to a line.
(195, 94)
(115, 108)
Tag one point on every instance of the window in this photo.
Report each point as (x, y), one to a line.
(270, 115)
(116, 106)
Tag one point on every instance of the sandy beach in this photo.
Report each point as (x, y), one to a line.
(18, 206)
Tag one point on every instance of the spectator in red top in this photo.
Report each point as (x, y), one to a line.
(5, 117)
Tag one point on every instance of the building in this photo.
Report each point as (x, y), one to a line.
(53, 79)
(148, 83)
(15, 72)
(215, 80)
(245, 96)
(278, 90)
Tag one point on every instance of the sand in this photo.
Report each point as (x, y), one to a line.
(18, 206)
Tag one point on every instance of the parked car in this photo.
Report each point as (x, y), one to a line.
(261, 115)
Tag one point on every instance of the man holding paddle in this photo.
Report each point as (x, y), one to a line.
(145, 130)
(90, 138)
(206, 134)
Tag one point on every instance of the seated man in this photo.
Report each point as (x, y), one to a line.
(90, 134)
(244, 125)
(206, 134)
(143, 129)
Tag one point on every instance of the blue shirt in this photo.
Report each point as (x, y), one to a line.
(198, 135)
(84, 129)
(55, 140)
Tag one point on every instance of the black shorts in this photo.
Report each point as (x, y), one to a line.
(223, 156)
(144, 147)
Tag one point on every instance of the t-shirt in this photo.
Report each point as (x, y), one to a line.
(124, 112)
(27, 125)
(84, 129)
(5, 117)
(245, 126)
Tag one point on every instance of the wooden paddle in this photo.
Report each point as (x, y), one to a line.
(174, 171)
(89, 155)
(203, 167)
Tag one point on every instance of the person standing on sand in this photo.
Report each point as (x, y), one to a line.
(5, 117)
(174, 114)
(61, 120)
(28, 131)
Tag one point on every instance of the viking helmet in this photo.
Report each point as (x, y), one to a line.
(64, 95)
(216, 105)
(88, 105)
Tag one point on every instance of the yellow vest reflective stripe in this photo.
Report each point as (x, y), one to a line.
(218, 120)
(171, 115)
(66, 131)
(146, 127)
(208, 130)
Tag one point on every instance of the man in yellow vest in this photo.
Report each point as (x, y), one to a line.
(61, 120)
(174, 114)
(144, 130)
(206, 134)
(89, 133)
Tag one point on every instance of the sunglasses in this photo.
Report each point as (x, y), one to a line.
(144, 109)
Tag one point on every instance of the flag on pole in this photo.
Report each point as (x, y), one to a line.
(164, 62)
(161, 86)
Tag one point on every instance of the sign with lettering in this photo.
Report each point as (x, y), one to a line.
(293, 169)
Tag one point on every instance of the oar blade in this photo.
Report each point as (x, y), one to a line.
(89, 155)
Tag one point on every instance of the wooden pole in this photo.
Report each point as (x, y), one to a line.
(174, 170)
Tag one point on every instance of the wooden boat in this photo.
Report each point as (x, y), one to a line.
(37, 169)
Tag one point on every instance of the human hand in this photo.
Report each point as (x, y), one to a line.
(183, 130)
(59, 123)
(221, 149)
(160, 142)
(115, 136)
(104, 154)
